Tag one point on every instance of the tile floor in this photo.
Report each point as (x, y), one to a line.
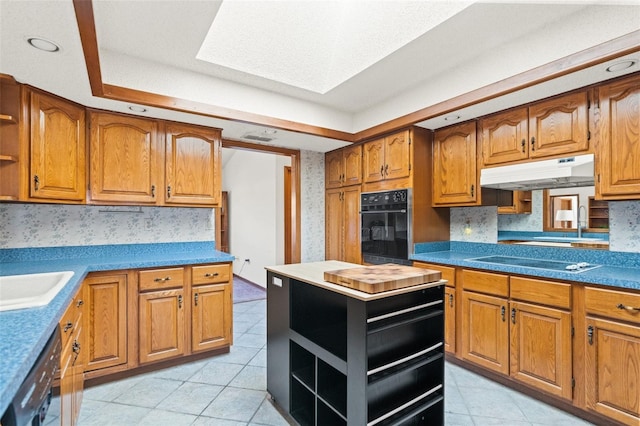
(230, 390)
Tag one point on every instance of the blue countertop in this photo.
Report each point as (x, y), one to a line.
(619, 269)
(24, 332)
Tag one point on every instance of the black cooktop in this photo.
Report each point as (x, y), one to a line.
(550, 265)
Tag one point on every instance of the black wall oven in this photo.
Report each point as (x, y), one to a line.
(386, 226)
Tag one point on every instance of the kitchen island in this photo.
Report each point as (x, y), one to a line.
(336, 355)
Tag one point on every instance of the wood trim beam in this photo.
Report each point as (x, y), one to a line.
(89, 39)
(248, 146)
(577, 62)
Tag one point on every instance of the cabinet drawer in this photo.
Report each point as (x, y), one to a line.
(615, 304)
(210, 274)
(448, 273)
(155, 279)
(543, 292)
(485, 282)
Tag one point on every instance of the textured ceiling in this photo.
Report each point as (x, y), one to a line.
(153, 46)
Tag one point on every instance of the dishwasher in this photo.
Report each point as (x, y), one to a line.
(32, 400)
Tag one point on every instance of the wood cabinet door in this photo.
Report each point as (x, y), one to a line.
(352, 159)
(559, 126)
(333, 169)
(106, 324)
(504, 137)
(485, 331)
(125, 159)
(351, 224)
(58, 162)
(211, 316)
(192, 164)
(618, 141)
(455, 177)
(397, 155)
(541, 348)
(333, 224)
(161, 325)
(450, 319)
(613, 369)
(373, 161)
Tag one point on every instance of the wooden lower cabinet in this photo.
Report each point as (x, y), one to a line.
(72, 360)
(485, 331)
(211, 316)
(106, 324)
(162, 325)
(612, 341)
(540, 353)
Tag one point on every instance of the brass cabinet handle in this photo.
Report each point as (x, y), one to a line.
(161, 280)
(502, 312)
(590, 334)
(180, 302)
(215, 274)
(36, 182)
(168, 191)
(513, 315)
(533, 143)
(195, 299)
(631, 309)
(524, 143)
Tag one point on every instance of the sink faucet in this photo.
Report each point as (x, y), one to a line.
(578, 220)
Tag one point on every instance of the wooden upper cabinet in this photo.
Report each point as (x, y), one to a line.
(544, 129)
(343, 167)
(388, 158)
(373, 161)
(192, 160)
(504, 137)
(125, 160)
(559, 126)
(618, 141)
(455, 177)
(57, 149)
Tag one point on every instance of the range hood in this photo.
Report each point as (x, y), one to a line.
(544, 174)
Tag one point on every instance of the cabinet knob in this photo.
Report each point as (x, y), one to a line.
(36, 182)
(533, 143)
(67, 326)
(207, 275)
(590, 334)
(169, 191)
(195, 299)
(502, 313)
(180, 302)
(80, 303)
(524, 143)
(473, 190)
(513, 315)
(631, 309)
(161, 280)
(153, 191)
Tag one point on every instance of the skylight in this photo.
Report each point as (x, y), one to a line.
(316, 45)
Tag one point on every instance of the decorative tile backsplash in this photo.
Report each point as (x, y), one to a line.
(312, 205)
(51, 225)
(474, 224)
(624, 226)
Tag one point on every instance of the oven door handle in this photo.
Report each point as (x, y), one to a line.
(382, 211)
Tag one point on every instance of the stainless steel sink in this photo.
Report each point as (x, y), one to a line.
(31, 290)
(549, 265)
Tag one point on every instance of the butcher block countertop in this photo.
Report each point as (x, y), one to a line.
(314, 273)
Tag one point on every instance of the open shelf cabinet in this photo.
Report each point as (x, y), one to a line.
(355, 362)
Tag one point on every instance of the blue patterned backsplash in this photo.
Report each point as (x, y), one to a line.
(481, 224)
(52, 225)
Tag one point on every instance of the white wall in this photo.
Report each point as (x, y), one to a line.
(254, 182)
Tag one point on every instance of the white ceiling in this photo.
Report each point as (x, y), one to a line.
(153, 46)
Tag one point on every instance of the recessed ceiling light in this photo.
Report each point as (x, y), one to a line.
(452, 118)
(136, 108)
(42, 44)
(622, 65)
